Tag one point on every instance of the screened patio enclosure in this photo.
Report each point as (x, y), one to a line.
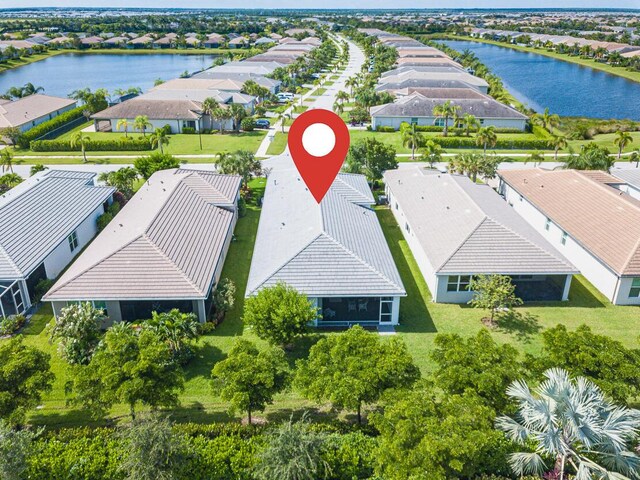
(341, 311)
(11, 300)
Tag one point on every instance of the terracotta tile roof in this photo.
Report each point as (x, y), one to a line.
(602, 219)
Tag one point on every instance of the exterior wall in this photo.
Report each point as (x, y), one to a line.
(395, 122)
(62, 255)
(592, 268)
(176, 125)
(45, 118)
(395, 310)
(442, 296)
(622, 297)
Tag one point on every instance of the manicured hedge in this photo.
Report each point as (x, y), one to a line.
(49, 126)
(452, 130)
(502, 144)
(115, 145)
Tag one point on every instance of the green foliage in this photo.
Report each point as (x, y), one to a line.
(116, 145)
(188, 130)
(37, 168)
(371, 158)
(248, 378)
(477, 365)
(178, 330)
(122, 180)
(501, 143)
(148, 165)
(15, 449)
(240, 162)
(224, 297)
(350, 456)
(606, 362)
(354, 368)
(431, 438)
(492, 292)
(248, 124)
(106, 217)
(77, 331)
(8, 181)
(42, 287)
(242, 207)
(129, 367)
(11, 324)
(279, 314)
(591, 157)
(25, 374)
(49, 126)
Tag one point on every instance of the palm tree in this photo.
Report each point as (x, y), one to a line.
(209, 106)
(141, 123)
(15, 93)
(124, 124)
(10, 180)
(536, 157)
(635, 157)
(546, 120)
(470, 122)
(342, 96)
(6, 160)
(431, 152)
(445, 111)
(411, 138)
(237, 112)
(81, 140)
(557, 141)
(159, 138)
(282, 118)
(622, 140)
(30, 89)
(351, 83)
(338, 108)
(571, 421)
(486, 137)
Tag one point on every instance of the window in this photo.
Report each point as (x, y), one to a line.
(406, 227)
(635, 288)
(386, 309)
(458, 283)
(396, 205)
(73, 241)
(101, 305)
(547, 224)
(439, 122)
(563, 240)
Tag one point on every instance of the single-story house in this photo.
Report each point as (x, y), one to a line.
(144, 41)
(333, 252)
(629, 181)
(427, 62)
(165, 249)
(254, 67)
(214, 40)
(457, 229)
(93, 41)
(45, 222)
(264, 41)
(27, 112)
(418, 109)
(168, 41)
(420, 73)
(239, 42)
(115, 42)
(422, 83)
(594, 224)
(272, 85)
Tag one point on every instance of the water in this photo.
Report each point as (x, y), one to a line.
(565, 88)
(62, 74)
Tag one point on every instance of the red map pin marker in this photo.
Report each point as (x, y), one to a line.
(320, 166)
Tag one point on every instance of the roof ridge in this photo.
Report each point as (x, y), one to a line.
(609, 190)
(634, 251)
(457, 249)
(13, 265)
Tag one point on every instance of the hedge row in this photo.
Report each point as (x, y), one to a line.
(501, 144)
(115, 145)
(50, 125)
(452, 130)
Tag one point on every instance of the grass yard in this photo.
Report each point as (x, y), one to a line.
(19, 62)
(328, 83)
(319, 91)
(279, 143)
(300, 108)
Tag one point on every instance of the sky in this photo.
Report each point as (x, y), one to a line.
(354, 4)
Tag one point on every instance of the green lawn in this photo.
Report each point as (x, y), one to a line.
(319, 91)
(278, 144)
(328, 83)
(300, 108)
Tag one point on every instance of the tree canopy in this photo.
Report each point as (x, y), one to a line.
(371, 158)
(77, 331)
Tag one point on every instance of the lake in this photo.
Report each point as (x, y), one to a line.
(62, 74)
(566, 88)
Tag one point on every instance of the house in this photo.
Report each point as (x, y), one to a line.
(254, 67)
(423, 83)
(45, 222)
(168, 41)
(115, 42)
(27, 112)
(457, 229)
(417, 108)
(214, 41)
(264, 41)
(89, 42)
(165, 249)
(212, 73)
(629, 181)
(426, 73)
(239, 42)
(595, 225)
(144, 41)
(333, 252)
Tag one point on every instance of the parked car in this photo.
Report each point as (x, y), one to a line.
(262, 123)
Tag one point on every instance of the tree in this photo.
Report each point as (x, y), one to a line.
(411, 138)
(224, 297)
(240, 162)
(558, 142)
(536, 157)
(30, 89)
(572, 422)
(79, 139)
(123, 124)
(371, 158)
(592, 157)
(249, 378)
(470, 122)
(635, 157)
(237, 112)
(338, 108)
(129, 367)
(293, 452)
(7, 161)
(77, 331)
(472, 165)
(342, 96)
(425, 436)
(477, 365)
(8, 181)
(141, 123)
(152, 451)
(177, 330)
(10, 133)
(445, 111)
(148, 165)
(37, 168)
(15, 450)
(546, 120)
(431, 152)
(159, 138)
(493, 292)
(279, 314)
(354, 368)
(282, 118)
(621, 141)
(25, 374)
(123, 180)
(486, 137)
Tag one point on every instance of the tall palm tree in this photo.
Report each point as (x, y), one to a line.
(621, 141)
(6, 160)
(445, 111)
(141, 123)
(338, 108)
(546, 120)
(282, 118)
(30, 89)
(486, 137)
(411, 138)
(81, 140)
(558, 142)
(237, 112)
(470, 122)
(159, 138)
(431, 152)
(342, 96)
(123, 124)
(209, 105)
(351, 83)
(536, 157)
(572, 421)
(15, 93)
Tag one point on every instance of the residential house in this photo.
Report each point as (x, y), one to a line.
(592, 223)
(629, 181)
(272, 85)
(214, 41)
(334, 252)
(90, 42)
(239, 42)
(45, 222)
(115, 42)
(165, 249)
(27, 112)
(456, 229)
(145, 41)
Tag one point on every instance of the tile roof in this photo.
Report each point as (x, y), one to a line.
(465, 227)
(165, 243)
(630, 176)
(333, 248)
(31, 107)
(39, 214)
(604, 220)
(165, 109)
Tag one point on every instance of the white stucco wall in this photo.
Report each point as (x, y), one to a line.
(601, 276)
(622, 297)
(385, 121)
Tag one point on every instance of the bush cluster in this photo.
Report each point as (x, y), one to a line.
(116, 145)
(11, 324)
(107, 216)
(501, 144)
(435, 128)
(188, 130)
(45, 127)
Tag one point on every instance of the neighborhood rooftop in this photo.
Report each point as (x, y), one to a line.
(30, 108)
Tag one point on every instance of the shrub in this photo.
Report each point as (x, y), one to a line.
(120, 144)
(188, 130)
(166, 129)
(248, 124)
(242, 207)
(45, 127)
(385, 128)
(11, 324)
(42, 287)
(104, 220)
(501, 144)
